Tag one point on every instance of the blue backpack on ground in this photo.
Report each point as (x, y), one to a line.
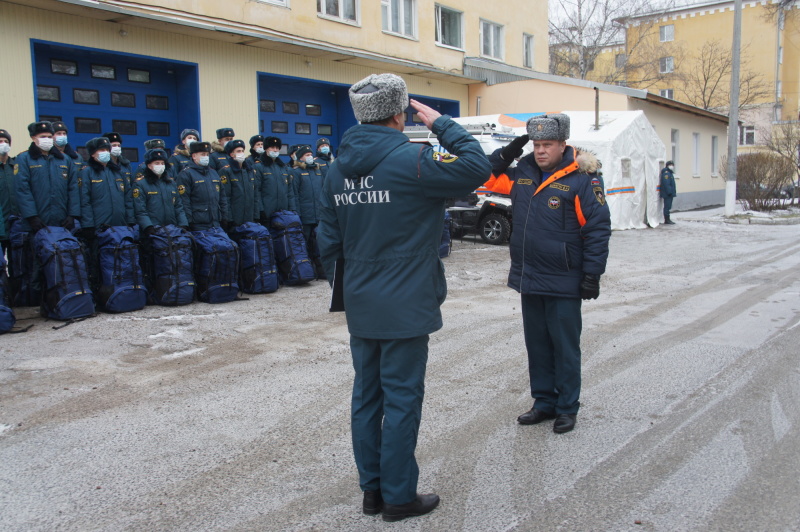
(216, 266)
(20, 268)
(172, 266)
(7, 317)
(291, 255)
(257, 271)
(121, 286)
(446, 244)
(67, 295)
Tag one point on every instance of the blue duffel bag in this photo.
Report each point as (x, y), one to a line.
(121, 287)
(257, 271)
(66, 294)
(216, 266)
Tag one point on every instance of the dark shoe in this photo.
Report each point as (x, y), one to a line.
(564, 423)
(534, 416)
(373, 502)
(668, 221)
(422, 505)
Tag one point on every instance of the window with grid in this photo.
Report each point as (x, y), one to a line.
(344, 10)
(527, 50)
(667, 93)
(747, 135)
(666, 65)
(666, 33)
(491, 40)
(399, 16)
(696, 154)
(449, 26)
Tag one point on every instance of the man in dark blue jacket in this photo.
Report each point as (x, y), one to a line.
(8, 195)
(200, 189)
(277, 188)
(240, 184)
(559, 248)
(307, 189)
(125, 168)
(181, 157)
(667, 189)
(61, 140)
(106, 199)
(393, 280)
(47, 188)
(324, 155)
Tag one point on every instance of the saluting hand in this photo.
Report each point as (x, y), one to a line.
(425, 113)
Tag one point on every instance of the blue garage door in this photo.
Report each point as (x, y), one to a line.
(299, 111)
(95, 92)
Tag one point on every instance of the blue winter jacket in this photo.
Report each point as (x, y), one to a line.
(204, 201)
(277, 189)
(106, 197)
(179, 160)
(156, 201)
(308, 189)
(667, 186)
(561, 229)
(47, 186)
(8, 192)
(382, 211)
(242, 190)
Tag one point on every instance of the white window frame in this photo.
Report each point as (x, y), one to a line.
(666, 33)
(695, 154)
(438, 20)
(322, 11)
(746, 132)
(620, 60)
(386, 18)
(527, 50)
(281, 3)
(714, 156)
(666, 64)
(667, 93)
(502, 37)
(675, 142)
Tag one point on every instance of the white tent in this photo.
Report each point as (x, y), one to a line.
(626, 144)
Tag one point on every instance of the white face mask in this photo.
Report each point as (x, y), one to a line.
(187, 143)
(309, 159)
(273, 154)
(45, 143)
(116, 151)
(5, 147)
(259, 150)
(203, 160)
(158, 169)
(62, 140)
(240, 157)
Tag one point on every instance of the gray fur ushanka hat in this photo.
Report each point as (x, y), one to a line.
(549, 127)
(378, 96)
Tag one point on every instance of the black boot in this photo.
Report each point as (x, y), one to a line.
(668, 221)
(419, 506)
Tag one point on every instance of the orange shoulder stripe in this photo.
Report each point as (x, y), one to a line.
(579, 211)
(561, 173)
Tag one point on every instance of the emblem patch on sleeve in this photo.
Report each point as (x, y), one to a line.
(80, 182)
(444, 157)
(595, 181)
(554, 202)
(598, 193)
(223, 179)
(181, 189)
(135, 192)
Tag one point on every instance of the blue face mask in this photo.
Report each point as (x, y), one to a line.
(203, 160)
(104, 157)
(61, 141)
(325, 150)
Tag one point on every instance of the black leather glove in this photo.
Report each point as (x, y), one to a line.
(514, 148)
(68, 223)
(590, 286)
(36, 224)
(150, 230)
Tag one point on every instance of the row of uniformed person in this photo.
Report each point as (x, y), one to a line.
(199, 186)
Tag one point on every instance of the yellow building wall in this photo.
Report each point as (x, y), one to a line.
(693, 30)
(301, 19)
(227, 72)
(539, 96)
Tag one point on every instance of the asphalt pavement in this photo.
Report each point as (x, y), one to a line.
(236, 416)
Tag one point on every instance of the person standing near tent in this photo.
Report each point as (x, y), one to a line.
(667, 189)
(393, 281)
(559, 249)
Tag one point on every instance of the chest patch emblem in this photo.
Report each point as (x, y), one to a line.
(181, 189)
(560, 186)
(554, 202)
(524, 181)
(223, 179)
(440, 157)
(135, 192)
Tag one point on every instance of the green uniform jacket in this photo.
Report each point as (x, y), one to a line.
(156, 201)
(242, 191)
(106, 197)
(8, 193)
(204, 202)
(47, 186)
(277, 189)
(382, 211)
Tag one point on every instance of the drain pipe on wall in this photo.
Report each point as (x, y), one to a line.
(596, 108)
